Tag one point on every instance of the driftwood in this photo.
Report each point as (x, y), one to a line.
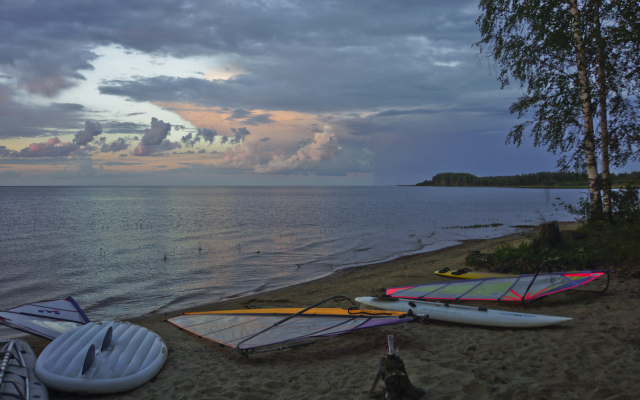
(550, 234)
(396, 380)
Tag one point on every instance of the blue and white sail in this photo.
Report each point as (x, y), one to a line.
(47, 319)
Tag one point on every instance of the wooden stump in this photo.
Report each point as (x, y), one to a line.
(396, 380)
(550, 234)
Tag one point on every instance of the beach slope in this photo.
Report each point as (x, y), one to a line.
(597, 355)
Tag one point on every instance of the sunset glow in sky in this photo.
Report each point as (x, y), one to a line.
(250, 93)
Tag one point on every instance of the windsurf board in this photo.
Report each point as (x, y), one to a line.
(463, 314)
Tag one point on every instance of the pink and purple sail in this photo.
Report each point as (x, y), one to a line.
(519, 288)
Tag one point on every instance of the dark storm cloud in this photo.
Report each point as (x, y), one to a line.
(297, 55)
(389, 63)
(28, 121)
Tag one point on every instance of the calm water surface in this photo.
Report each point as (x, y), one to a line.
(123, 251)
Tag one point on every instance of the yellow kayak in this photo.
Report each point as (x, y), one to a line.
(466, 273)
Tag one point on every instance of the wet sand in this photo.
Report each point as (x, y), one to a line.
(596, 355)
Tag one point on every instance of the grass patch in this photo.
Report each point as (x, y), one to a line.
(589, 247)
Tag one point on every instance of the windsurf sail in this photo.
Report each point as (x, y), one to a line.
(518, 288)
(247, 330)
(47, 319)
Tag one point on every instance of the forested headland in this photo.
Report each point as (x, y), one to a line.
(540, 179)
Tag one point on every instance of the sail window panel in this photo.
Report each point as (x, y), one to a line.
(540, 286)
(302, 327)
(419, 291)
(490, 290)
(451, 291)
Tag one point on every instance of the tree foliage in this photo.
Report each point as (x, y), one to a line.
(577, 62)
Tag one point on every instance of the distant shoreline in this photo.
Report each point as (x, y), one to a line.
(508, 187)
(539, 180)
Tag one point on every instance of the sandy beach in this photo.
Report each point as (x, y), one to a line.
(596, 355)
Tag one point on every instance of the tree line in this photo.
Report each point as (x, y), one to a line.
(540, 179)
(578, 64)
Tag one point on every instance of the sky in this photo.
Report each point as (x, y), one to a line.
(147, 92)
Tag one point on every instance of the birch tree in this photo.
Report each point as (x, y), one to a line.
(578, 65)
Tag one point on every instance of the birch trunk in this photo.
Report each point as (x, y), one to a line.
(583, 78)
(604, 132)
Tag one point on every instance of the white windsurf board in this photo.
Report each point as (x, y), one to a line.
(463, 314)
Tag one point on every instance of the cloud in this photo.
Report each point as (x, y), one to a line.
(29, 120)
(44, 67)
(323, 147)
(259, 120)
(155, 150)
(52, 148)
(122, 127)
(158, 132)
(395, 113)
(240, 133)
(86, 135)
(117, 145)
(154, 140)
(208, 135)
(248, 118)
(67, 106)
(238, 114)
(257, 158)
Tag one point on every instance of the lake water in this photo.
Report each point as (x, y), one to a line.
(125, 251)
